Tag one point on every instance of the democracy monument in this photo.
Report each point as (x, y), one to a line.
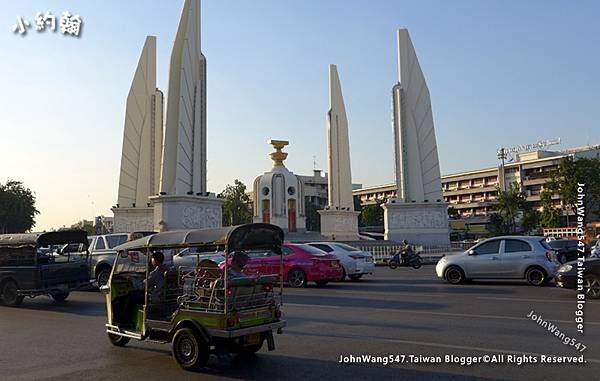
(418, 213)
(162, 180)
(162, 183)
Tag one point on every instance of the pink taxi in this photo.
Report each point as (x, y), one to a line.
(301, 264)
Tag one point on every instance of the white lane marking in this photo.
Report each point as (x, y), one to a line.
(526, 300)
(310, 305)
(479, 349)
(436, 345)
(500, 317)
(438, 295)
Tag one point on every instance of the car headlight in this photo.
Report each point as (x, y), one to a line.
(565, 268)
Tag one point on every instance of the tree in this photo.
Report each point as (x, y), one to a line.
(453, 213)
(510, 203)
(531, 220)
(17, 208)
(564, 182)
(372, 215)
(496, 225)
(550, 218)
(235, 208)
(85, 225)
(313, 219)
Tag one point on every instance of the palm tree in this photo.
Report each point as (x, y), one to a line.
(510, 203)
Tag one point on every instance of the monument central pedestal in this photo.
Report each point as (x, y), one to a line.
(172, 212)
(340, 225)
(424, 223)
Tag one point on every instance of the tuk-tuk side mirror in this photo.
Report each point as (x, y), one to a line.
(472, 252)
(105, 290)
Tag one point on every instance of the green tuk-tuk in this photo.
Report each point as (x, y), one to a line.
(201, 310)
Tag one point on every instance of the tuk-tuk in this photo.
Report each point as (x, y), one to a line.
(33, 264)
(203, 309)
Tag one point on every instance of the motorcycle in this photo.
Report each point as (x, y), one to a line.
(412, 260)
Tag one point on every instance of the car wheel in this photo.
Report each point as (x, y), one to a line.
(343, 278)
(535, 276)
(60, 296)
(297, 278)
(322, 282)
(103, 277)
(454, 275)
(355, 277)
(118, 340)
(9, 294)
(591, 285)
(190, 351)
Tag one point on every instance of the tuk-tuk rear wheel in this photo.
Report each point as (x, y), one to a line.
(118, 340)
(189, 349)
(9, 295)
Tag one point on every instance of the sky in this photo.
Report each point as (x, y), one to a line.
(500, 73)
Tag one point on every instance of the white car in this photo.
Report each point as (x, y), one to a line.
(189, 258)
(355, 262)
(509, 257)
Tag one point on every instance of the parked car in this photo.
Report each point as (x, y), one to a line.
(568, 249)
(509, 257)
(355, 262)
(28, 267)
(191, 258)
(103, 254)
(301, 264)
(566, 277)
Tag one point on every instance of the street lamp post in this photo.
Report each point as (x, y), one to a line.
(502, 156)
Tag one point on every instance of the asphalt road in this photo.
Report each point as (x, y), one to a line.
(404, 312)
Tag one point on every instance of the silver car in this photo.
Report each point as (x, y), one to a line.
(355, 262)
(508, 257)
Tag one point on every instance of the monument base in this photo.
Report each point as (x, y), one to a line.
(173, 212)
(424, 223)
(339, 225)
(128, 220)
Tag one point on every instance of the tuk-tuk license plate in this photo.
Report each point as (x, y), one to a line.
(252, 339)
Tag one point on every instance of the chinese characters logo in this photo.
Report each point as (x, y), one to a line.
(69, 24)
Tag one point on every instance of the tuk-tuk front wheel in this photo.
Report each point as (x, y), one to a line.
(118, 340)
(9, 295)
(189, 349)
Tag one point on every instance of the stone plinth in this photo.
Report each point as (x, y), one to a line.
(339, 225)
(133, 219)
(173, 212)
(423, 223)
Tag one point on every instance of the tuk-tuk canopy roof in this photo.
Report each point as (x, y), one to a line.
(44, 239)
(242, 237)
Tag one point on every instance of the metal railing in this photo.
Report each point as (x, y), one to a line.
(383, 250)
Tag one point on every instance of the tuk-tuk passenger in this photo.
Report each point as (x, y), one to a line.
(238, 262)
(156, 278)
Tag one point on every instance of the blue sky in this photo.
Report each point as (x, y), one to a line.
(500, 73)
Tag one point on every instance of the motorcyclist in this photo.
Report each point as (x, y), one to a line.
(406, 251)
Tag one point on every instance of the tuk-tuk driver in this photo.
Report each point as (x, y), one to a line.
(156, 278)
